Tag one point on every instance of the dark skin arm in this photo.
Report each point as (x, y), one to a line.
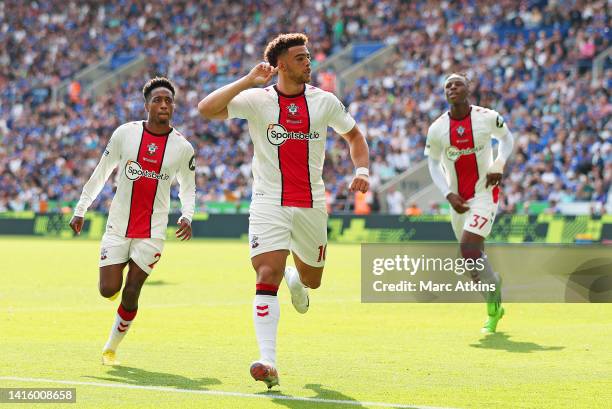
(493, 179)
(458, 203)
(76, 224)
(184, 230)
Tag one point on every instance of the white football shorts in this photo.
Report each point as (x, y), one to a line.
(479, 219)
(301, 230)
(116, 249)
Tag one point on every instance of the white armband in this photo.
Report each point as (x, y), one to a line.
(362, 171)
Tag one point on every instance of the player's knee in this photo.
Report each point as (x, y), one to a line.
(268, 275)
(470, 252)
(107, 290)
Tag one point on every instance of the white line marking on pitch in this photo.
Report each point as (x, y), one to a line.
(19, 309)
(222, 393)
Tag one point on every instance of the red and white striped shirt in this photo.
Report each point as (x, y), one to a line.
(148, 164)
(464, 146)
(289, 134)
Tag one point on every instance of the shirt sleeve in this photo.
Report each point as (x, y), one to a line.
(432, 145)
(108, 162)
(500, 131)
(506, 144)
(498, 126)
(186, 179)
(339, 118)
(437, 175)
(243, 105)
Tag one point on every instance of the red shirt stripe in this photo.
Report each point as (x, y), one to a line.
(293, 154)
(150, 158)
(466, 166)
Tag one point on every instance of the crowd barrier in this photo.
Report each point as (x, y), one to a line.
(345, 228)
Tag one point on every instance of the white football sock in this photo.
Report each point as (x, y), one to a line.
(266, 313)
(123, 322)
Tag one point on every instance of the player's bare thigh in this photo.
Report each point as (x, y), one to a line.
(270, 266)
(111, 279)
(310, 276)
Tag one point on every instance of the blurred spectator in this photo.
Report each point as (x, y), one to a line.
(413, 210)
(532, 65)
(395, 201)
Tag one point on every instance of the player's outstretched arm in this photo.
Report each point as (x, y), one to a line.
(358, 148)
(214, 105)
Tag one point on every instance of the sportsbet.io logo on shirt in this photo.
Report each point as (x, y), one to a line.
(453, 153)
(134, 171)
(277, 135)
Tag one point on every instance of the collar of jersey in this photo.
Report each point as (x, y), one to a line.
(460, 119)
(156, 134)
(289, 96)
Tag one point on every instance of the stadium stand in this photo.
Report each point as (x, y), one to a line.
(534, 65)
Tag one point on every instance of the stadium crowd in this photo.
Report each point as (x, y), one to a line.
(532, 64)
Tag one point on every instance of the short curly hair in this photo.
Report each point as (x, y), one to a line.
(157, 82)
(281, 44)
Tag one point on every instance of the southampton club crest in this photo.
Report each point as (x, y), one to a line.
(293, 109)
(461, 131)
(152, 148)
(254, 242)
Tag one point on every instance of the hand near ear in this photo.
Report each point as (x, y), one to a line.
(262, 73)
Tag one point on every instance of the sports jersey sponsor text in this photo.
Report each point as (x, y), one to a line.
(278, 134)
(453, 153)
(134, 171)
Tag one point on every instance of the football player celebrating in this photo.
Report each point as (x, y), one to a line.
(459, 143)
(150, 154)
(288, 125)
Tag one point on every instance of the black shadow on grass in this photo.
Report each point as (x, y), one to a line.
(322, 393)
(158, 282)
(501, 341)
(137, 376)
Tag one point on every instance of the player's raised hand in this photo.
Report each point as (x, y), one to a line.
(458, 203)
(76, 224)
(493, 179)
(184, 231)
(262, 73)
(360, 183)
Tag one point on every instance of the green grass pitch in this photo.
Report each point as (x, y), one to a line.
(193, 340)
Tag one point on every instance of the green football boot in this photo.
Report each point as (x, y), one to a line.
(496, 312)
